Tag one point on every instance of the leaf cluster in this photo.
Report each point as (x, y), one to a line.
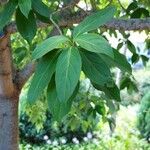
(61, 60)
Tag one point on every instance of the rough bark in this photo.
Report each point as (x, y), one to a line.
(23, 75)
(9, 95)
(9, 123)
(115, 24)
(6, 81)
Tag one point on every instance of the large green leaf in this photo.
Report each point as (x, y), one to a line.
(25, 7)
(68, 70)
(58, 108)
(94, 21)
(95, 68)
(44, 71)
(26, 27)
(40, 8)
(7, 12)
(95, 43)
(111, 92)
(48, 45)
(119, 61)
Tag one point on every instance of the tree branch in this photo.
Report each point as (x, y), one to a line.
(116, 24)
(129, 25)
(23, 75)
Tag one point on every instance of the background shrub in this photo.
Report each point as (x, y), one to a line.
(144, 117)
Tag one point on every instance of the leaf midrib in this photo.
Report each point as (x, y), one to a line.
(68, 64)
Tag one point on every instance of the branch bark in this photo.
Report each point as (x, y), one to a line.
(116, 24)
(23, 75)
(129, 25)
(9, 130)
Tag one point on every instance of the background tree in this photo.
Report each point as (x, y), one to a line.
(61, 58)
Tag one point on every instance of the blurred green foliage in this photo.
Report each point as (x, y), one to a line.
(125, 137)
(144, 117)
(87, 111)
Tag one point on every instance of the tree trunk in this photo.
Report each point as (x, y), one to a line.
(9, 98)
(9, 123)
(11, 83)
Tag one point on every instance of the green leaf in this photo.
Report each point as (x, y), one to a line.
(112, 92)
(95, 68)
(119, 46)
(44, 71)
(119, 61)
(144, 59)
(58, 108)
(68, 70)
(19, 54)
(94, 21)
(131, 47)
(42, 18)
(26, 27)
(101, 109)
(95, 43)
(147, 43)
(132, 6)
(40, 8)
(129, 83)
(140, 13)
(125, 82)
(7, 12)
(135, 58)
(48, 45)
(113, 107)
(25, 7)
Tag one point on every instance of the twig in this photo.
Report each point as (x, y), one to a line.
(55, 24)
(73, 3)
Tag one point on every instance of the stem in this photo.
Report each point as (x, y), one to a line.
(55, 24)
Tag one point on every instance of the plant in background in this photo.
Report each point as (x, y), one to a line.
(144, 117)
(87, 112)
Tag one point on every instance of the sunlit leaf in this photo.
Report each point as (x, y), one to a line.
(25, 7)
(95, 43)
(94, 21)
(48, 45)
